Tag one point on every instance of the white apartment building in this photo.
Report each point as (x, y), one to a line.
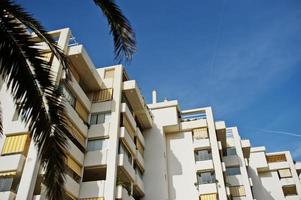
(123, 149)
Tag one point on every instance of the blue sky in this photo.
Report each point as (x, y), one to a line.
(240, 57)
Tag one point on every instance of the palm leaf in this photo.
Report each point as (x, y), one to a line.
(123, 34)
(29, 80)
(32, 24)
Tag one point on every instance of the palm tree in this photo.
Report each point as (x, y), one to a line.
(31, 83)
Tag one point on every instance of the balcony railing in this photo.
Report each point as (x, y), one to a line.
(191, 117)
(92, 189)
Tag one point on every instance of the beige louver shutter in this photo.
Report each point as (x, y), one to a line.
(208, 197)
(103, 95)
(237, 191)
(200, 133)
(284, 173)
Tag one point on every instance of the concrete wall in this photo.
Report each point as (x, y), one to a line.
(155, 176)
(181, 166)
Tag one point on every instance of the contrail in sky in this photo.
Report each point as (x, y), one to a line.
(277, 132)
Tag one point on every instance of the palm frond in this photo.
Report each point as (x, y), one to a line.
(29, 80)
(1, 125)
(123, 34)
(32, 24)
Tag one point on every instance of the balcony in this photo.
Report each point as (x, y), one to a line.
(235, 180)
(278, 165)
(140, 136)
(8, 195)
(209, 188)
(123, 194)
(132, 93)
(92, 189)
(84, 67)
(71, 186)
(232, 160)
(73, 84)
(258, 158)
(74, 117)
(188, 125)
(95, 158)
(139, 159)
(220, 127)
(126, 167)
(126, 111)
(127, 140)
(75, 152)
(287, 181)
(139, 184)
(204, 165)
(99, 130)
(246, 148)
(12, 163)
(201, 143)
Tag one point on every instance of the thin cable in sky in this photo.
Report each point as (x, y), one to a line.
(277, 132)
(218, 37)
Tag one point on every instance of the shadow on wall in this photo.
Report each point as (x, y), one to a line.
(264, 194)
(174, 167)
(155, 179)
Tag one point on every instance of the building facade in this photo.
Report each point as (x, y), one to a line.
(121, 148)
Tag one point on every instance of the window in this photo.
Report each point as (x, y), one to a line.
(100, 118)
(284, 173)
(68, 96)
(124, 151)
(289, 190)
(231, 171)
(6, 184)
(206, 177)
(201, 155)
(231, 151)
(237, 191)
(138, 172)
(229, 133)
(9, 181)
(98, 144)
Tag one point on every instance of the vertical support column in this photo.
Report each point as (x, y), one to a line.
(63, 41)
(293, 171)
(29, 175)
(243, 169)
(112, 155)
(215, 155)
